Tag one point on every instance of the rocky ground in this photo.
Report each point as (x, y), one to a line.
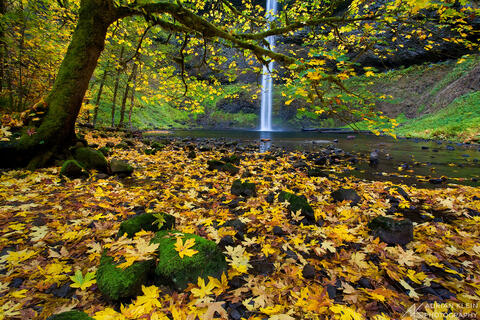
(292, 239)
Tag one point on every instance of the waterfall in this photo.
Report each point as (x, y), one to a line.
(267, 86)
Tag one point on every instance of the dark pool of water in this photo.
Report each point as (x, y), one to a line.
(420, 160)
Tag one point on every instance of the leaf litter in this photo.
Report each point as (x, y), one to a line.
(54, 231)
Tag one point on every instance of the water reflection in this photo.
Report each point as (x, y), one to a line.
(265, 141)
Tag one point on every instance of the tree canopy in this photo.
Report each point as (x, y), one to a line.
(154, 43)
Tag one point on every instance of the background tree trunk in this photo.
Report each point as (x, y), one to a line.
(99, 95)
(125, 94)
(57, 129)
(132, 99)
(117, 80)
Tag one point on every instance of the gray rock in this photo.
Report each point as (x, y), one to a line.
(245, 189)
(346, 195)
(73, 169)
(120, 167)
(392, 231)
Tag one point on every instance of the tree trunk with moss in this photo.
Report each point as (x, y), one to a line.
(56, 131)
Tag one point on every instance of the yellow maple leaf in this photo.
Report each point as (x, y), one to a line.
(203, 290)
(358, 258)
(183, 249)
(267, 250)
(346, 313)
(19, 293)
(108, 314)
(220, 285)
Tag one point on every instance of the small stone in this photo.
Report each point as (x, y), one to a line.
(392, 231)
(278, 231)
(364, 283)
(321, 161)
(237, 282)
(121, 167)
(332, 291)
(308, 271)
(270, 197)
(73, 169)
(346, 195)
(226, 241)
(16, 282)
(315, 172)
(245, 189)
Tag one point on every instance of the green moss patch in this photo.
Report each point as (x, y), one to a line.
(71, 315)
(296, 203)
(73, 169)
(116, 284)
(178, 272)
(147, 222)
(91, 159)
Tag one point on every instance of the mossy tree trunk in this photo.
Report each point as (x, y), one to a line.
(56, 131)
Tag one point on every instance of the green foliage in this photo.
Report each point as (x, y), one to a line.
(462, 66)
(458, 121)
(81, 281)
(178, 272)
(116, 284)
(70, 315)
(236, 120)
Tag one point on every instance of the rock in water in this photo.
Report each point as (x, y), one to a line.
(91, 159)
(298, 203)
(116, 284)
(245, 189)
(177, 272)
(121, 167)
(71, 315)
(373, 160)
(346, 195)
(73, 169)
(147, 222)
(392, 231)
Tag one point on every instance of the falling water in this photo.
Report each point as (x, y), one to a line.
(266, 106)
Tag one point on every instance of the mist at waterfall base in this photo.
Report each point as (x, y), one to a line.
(267, 81)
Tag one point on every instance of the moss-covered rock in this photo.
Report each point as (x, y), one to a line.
(145, 221)
(392, 231)
(233, 159)
(116, 284)
(178, 272)
(73, 169)
(71, 315)
(245, 189)
(222, 166)
(296, 203)
(120, 167)
(91, 159)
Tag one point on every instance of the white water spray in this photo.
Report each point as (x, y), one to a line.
(267, 85)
